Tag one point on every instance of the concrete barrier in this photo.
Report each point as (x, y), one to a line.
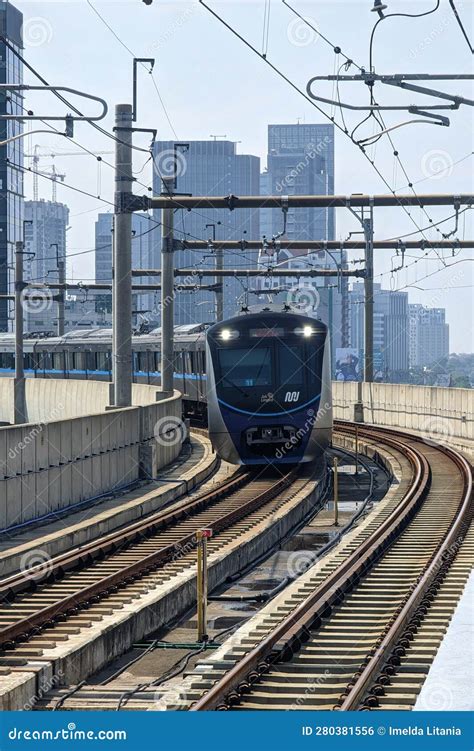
(445, 415)
(74, 450)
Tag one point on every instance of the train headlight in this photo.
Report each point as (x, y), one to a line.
(307, 330)
(226, 335)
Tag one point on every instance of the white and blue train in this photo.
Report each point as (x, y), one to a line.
(269, 387)
(263, 378)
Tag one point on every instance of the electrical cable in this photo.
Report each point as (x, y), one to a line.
(371, 114)
(396, 15)
(120, 41)
(308, 99)
(461, 26)
(63, 99)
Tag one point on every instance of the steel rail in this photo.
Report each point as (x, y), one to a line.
(31, 625)
(293, 630)
(390, 649)
(161, 520)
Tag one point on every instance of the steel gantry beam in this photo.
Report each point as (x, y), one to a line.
(322, 244)
(247, 273)
(356, 200)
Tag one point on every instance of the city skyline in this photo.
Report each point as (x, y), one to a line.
(434, 158)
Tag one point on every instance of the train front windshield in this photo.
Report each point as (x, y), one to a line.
(246, 367)
(268, 376)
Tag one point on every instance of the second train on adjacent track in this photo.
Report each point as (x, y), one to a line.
(262, 377)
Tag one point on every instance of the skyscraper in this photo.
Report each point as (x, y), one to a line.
(391, 330)
(11, 155)
(45, 245)
(300, 161)
(209, 168)
(144, 256)
(429, 336)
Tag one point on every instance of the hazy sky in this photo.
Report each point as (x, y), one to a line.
(210, 82)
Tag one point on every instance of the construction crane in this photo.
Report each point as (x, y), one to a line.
(54, 154)
(53, 174)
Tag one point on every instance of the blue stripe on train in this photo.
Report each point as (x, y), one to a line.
(144, 373)
(269, 414)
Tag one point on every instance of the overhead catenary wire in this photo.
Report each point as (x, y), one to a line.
(61, 97)
(374, 139)
(127, 48)
(308, 99)
(461, 25)
(381, 122)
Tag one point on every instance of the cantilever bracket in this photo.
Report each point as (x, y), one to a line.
(31, 116)
(401, 81)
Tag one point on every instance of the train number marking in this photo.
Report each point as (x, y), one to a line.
(292, 396)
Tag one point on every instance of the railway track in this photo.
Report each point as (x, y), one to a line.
(360, 634)
(47, 603)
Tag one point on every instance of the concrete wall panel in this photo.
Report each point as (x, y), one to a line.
(73, 449)
(442, 414)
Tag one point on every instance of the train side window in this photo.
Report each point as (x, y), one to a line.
(46, 361)
(101, 361)
(79, 360)
(57, 361)
(90, 361)
(7, 361)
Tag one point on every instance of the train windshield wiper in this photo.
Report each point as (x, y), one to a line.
(224, 378)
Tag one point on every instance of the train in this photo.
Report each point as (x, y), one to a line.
(269, 387)
(261, 379)
(87, 354)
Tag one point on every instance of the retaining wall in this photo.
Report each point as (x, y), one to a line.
(73, 450)
(443, 414)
